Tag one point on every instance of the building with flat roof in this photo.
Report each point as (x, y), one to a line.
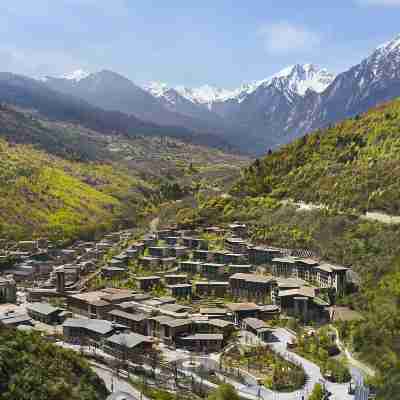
(236, 245)
(318, 273)
(212, 270)
(241, 311)
(169, 329)
(96, 304)
(263, 255)
(257, 327)
(203, 342)
(252, 287)
(128, 346)
(45, 313)
(8, 289)
(179, 291)
(304, 304)
(78, 330)
(211, 288)
(147, 283)
(191, 267)
(13, 319)
(136, 322)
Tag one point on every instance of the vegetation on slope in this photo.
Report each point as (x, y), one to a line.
(43, 195)
(352, 165)
(371, 248)
(32, 369)
(76, 182)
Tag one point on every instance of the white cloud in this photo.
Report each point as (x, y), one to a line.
(284, 37)
(383, 3)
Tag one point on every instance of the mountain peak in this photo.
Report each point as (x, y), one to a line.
(302, 77)
(295, 78)
(391, 45)
(76, 75)
(157, 89)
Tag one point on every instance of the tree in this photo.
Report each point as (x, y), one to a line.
(224, 392)
(317, 393)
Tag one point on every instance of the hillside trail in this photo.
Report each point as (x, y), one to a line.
(154, 224)
(369, 215)
(363, 367)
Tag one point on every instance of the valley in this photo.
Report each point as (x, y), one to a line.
(183, 243)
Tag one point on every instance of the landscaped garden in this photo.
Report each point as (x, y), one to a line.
(268, 367)
(320, 348)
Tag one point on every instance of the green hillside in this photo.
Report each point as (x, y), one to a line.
(44, 195)
(352, 165)
(32, 368)
(62, 180)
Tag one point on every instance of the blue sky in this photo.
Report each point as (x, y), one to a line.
(219, 42)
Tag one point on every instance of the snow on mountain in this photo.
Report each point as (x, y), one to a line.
(384, 59)
(205, 94)
(76, 76)
(389, 46)
(157, 89)
(300, 78)
(297, 79)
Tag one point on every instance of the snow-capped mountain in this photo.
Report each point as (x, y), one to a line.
(375, 80)
(256, 115)
(114, 92)
(294, 79)
(76, 76)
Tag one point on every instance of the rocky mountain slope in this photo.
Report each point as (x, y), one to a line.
(36, 95)
(297, 100)
(256, 116)
(113, 92)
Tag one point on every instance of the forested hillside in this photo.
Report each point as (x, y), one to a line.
(31, 368)
(352, 165)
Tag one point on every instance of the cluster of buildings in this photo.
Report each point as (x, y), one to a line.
(238, 270)
(51, 268)
(257, 283)
(110, 313)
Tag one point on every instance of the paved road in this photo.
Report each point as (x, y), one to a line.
(339, 391)
(115, 383)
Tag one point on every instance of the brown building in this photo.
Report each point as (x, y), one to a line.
(241, 311)
(128, 346)
(136, 322)
(97, 304)
(147, 283)
(169, 329)
(252, 287)
(257, 327)
(203, 342)
(213, 289)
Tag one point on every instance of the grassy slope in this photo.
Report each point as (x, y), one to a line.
(352, 165)
(76, 181)
(46, 195)
(31, 368)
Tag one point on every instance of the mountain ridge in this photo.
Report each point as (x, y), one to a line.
(261, 114)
